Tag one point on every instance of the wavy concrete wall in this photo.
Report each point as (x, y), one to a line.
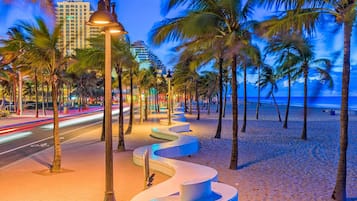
(188, 181)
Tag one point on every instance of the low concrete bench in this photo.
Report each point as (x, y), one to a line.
(188, 181)
(195, 190)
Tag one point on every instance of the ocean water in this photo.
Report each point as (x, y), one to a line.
(327, 102)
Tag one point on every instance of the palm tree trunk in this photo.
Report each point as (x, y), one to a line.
(157, 99)
(197, 101)
(225, 100)
(121, 142)
(190, 102)
(217, 106)
(47, 92)
(258, 102)
(56, 164)
(234, 155)
(289, 98)
(276, 106)
(339, 192)
(209, 106)
(43, 99)
(304, 128)
(131, 115)
(36, 94)
(220, 115)
(146, 112)
(185, 99)
(141, 106)
(19, 103)
(14, 96)
(245, 101)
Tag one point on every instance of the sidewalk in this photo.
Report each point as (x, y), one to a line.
(83, 160)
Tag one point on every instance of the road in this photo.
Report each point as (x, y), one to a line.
(38, 136)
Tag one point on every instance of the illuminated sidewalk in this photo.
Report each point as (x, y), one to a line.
(188, 181)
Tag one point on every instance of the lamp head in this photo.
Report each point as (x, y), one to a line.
(118, 28)
(168, 76)
(102, 17)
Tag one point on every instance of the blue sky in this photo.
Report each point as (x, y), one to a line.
(139, 16)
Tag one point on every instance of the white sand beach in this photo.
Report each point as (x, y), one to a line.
(274, 163)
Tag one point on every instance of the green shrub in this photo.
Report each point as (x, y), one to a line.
(4, 113)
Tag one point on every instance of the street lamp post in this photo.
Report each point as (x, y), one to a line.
(103, 18)
(158, 76)
(169, 76)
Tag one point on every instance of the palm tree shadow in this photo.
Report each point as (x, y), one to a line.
(41, 161)
(261, 159)
(85, 144)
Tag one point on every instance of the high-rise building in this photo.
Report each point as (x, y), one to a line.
(145, 57)
(72, 15)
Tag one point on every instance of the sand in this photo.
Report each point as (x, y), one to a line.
(274, 163)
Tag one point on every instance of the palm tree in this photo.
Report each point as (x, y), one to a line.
(123, 60)
(282, 46)
(85, 86)
(226, 81)
(186, 74)
(209, 87)
(45, 43)
(91, 58)
(249, 56)
(13, 50)
(144, 80)
(269, 79)
(306, 63)
(132, 70)
(226, 20)
(305, 14)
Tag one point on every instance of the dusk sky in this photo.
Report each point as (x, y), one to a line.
(139, 16)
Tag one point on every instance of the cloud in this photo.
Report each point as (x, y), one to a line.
(337, 69)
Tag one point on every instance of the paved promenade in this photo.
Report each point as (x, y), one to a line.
(83, 158)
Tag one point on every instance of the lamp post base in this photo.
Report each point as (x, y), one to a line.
(109, 196)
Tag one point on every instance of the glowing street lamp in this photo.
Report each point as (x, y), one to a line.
(103, 18)
(169, 77)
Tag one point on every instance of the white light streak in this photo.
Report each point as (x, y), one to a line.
(82, 119)
(8, 138)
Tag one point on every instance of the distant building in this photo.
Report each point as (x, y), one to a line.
(145, 57)
(73, 15)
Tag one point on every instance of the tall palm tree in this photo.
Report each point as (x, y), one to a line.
(282, 45)
(85, 86)
(13, 50)
(226, 19)
(132, 71)
(226, 81)
(209, 87)
(249, 57)
(91, 58)
(186, 74)
(306, 62)
(269, 79)
(123, 60)
(305, 14)
(144, 81)
(46, 46)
